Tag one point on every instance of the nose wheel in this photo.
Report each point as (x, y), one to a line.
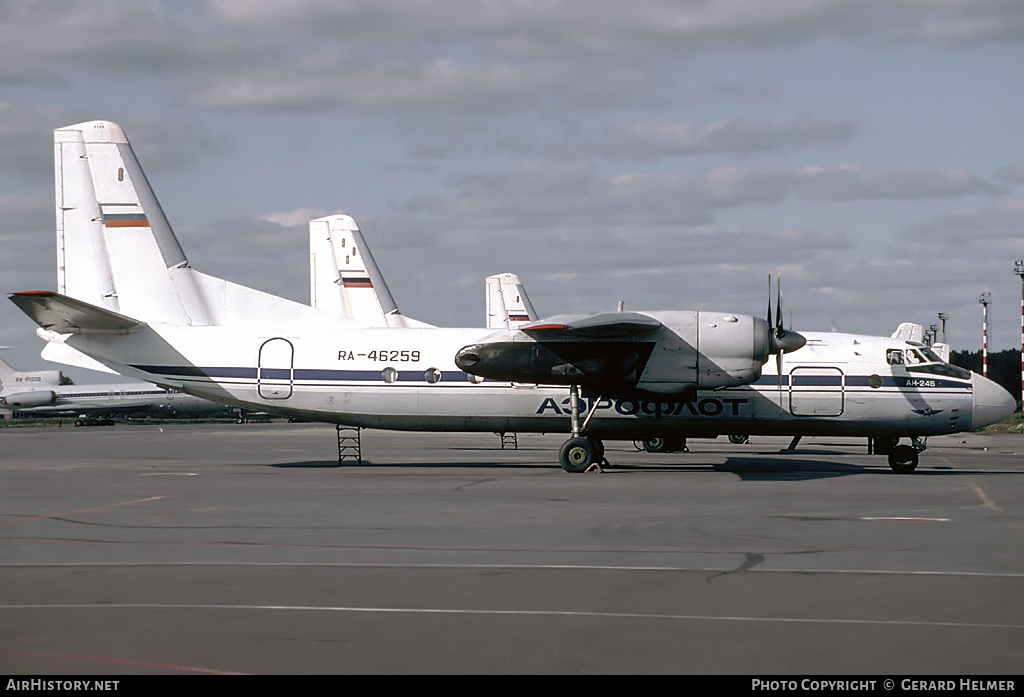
(903, 459)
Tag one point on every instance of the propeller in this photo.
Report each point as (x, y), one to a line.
(780, 340)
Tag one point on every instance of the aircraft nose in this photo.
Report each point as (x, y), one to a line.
(991, 402)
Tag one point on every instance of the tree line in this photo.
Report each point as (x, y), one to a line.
(1003, 367)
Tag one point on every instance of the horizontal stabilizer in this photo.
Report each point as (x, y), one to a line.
(70, 316)
(607, 325)
(56, 351)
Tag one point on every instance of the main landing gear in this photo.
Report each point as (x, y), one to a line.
(580, 453)
(90, 421)
(664, 445)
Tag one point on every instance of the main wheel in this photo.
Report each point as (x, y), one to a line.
(903, 459)
(577, 455)
(663, 445)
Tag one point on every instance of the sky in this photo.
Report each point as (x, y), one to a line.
(665, 153)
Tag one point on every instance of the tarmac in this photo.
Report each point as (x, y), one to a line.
(245, 549)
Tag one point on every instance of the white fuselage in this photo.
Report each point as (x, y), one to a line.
(406, 379)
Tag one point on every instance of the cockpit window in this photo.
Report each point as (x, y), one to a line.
(915, 357)
(951, 371)
(922, 359)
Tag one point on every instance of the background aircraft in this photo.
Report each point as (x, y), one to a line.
(46, 393)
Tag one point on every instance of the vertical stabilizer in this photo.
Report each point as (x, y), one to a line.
(908, 331)
(114, 244)
(11, 379)
(508, 306)
(344, 279)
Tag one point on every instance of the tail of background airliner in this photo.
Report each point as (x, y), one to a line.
(12, 379)
(508, 306)
(116, 249)
(344, 279)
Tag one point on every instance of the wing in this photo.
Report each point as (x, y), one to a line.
(608, 325)
(70, 316)
(607, 349)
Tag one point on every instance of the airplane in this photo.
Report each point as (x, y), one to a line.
(128, 297)
(49, 393)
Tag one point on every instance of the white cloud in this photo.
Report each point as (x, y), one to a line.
(299, 217)
(454, 54)
(556, 194)
(26, 136)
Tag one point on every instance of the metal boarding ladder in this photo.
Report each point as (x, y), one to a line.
(509, 440)
(350, 450)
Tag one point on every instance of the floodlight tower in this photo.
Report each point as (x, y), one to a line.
(984, 299)
(942, 318)
(1018, 268)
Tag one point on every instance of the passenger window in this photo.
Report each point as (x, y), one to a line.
(894, 357)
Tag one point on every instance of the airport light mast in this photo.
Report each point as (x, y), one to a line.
(942, 318)
(1018, 268)
(984, 300)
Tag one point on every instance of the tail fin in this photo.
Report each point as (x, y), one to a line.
(508, 306)
(10, 378)
(114, 244)
(117, 251)
(344, 279)
(908, 331)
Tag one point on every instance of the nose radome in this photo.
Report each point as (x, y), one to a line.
(991, 402)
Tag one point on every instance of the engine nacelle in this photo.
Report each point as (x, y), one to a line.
(705, 350)
(27, 400)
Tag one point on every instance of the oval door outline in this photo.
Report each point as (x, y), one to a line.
(275, 369)
(816, 391)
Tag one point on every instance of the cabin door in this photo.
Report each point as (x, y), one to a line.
(816, 391)
(274, 374)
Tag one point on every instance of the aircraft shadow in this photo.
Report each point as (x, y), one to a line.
(768, 468)
(776, 468)
(747, 468)
(328, 464)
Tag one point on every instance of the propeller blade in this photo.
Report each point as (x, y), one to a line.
(778, 370)
(778, 306)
